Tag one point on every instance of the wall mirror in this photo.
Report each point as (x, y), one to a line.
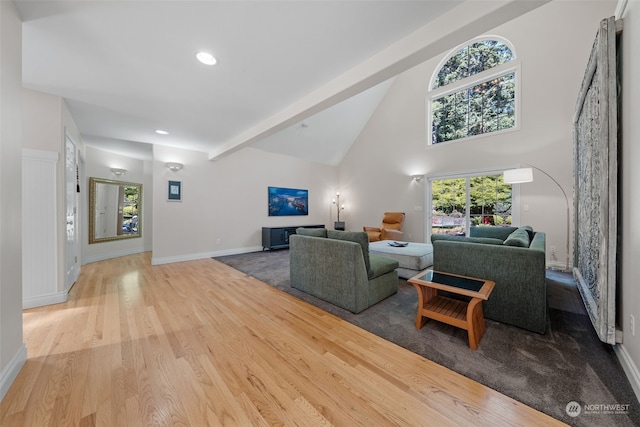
(115, 209)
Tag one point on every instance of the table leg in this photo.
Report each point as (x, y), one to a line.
(475, 322)
(425, 294)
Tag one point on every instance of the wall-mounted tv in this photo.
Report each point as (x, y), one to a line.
(288, 201)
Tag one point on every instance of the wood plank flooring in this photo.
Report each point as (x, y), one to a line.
(198, 343)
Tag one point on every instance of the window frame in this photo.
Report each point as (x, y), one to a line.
(513, 66)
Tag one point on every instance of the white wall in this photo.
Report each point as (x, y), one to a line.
(226, 200)
(42, 121)
(13, 352)
(629, 295)
(98, 165)
(375, 173)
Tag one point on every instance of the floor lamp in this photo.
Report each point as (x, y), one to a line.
(338, 225)
(522, 175)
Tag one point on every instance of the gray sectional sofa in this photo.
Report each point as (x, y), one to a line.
(512, 257)
(336, 267)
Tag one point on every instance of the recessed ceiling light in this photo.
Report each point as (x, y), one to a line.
(162, 132)
(206, 58)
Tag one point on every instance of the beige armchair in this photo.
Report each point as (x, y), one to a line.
(391, 228)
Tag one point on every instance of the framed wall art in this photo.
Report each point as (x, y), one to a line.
(595, 205)
(174, 191)
(288, 201)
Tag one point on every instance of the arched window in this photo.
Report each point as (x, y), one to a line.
(474, 92)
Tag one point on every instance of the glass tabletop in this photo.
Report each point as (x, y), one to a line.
(454, 281)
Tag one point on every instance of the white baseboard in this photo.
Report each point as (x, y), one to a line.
(10, 372)
(48, 299)
(558, 266)
(629, 367)
(110, 255)
(202, 255)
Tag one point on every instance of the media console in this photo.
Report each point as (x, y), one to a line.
(278, 237)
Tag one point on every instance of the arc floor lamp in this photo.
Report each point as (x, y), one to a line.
(524, 175)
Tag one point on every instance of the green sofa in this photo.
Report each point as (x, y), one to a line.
(514, 258)
(336, 267)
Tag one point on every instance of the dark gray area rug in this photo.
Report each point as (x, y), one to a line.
(547, 372)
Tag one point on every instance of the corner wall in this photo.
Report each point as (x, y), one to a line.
(13, 352)
(629, 290)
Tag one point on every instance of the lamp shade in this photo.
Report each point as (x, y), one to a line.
(517, 176)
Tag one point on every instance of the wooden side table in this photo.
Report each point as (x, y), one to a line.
(462, 314)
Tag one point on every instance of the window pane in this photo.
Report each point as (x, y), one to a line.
(486, 107)
(450, 119)
(473, 59)
(449, 200)
(490, 201)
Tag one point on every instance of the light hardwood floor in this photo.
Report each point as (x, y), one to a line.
(198, 343)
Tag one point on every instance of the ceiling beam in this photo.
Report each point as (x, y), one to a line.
(451, 29)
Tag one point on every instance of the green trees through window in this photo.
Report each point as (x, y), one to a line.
(469, 201)
(470, 106)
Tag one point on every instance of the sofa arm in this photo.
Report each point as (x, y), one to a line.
(539, 242)
(374, 233)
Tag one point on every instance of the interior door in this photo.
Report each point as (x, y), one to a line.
(71, 202)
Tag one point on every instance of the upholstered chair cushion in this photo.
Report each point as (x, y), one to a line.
(393, 220)
(518, 238)
(391, 228)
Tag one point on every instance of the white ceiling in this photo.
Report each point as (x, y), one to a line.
(285, 81)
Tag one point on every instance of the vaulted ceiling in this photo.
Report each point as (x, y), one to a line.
(293, 77)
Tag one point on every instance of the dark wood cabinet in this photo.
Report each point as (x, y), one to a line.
(278, 237)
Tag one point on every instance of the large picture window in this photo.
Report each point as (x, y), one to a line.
(474, 92)
(458, 203)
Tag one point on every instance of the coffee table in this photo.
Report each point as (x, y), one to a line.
(466, 315)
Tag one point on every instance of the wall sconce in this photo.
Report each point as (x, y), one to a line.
(174, 166)
(118, 171)
(338, 225)
(417, 178)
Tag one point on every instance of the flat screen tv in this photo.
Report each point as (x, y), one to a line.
(288, 201)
